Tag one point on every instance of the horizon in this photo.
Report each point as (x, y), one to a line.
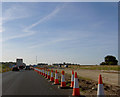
(82, 33)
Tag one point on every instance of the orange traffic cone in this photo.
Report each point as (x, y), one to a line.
(42, 72)
(63, 83)
(56, 78)
(76, 91)
(39, 71)
(48, 76)
(100, 91)
(46, 73)
(35, 69)
(52, 78)
(72, 79)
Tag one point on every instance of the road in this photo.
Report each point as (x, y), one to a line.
(29, 83)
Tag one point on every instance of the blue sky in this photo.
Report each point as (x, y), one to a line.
(81, 33)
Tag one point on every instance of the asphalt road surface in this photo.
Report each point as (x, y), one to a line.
(29, 83)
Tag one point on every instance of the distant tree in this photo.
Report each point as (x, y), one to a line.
(103, 63)
(42, 64)
(110, 60)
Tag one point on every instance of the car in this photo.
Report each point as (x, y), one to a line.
(21, 67)
(15, 69)
(27, 68)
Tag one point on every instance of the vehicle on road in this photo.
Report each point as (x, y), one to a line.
(15, 68)
(27, 68)
(21, 67)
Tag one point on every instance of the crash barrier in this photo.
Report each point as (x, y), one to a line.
(74, 81)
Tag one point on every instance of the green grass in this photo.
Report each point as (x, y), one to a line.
(4, 68)
(0, 68)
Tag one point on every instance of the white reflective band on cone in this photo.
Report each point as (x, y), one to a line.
(100, 90)
(51, 74)
(72, 79)
(62, 78)
(56, 77)
(48, 73)
(76, 85)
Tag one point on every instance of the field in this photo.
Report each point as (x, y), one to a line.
(95, 67)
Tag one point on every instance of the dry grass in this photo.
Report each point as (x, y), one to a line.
(95, 67)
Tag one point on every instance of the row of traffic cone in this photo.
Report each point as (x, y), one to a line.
(74, 81)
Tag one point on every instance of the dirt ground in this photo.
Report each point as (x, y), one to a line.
(88, 81)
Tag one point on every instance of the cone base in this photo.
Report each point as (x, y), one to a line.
(76, 92)
(71, 87)
(55, 84)
(63, 84)
(52, 79)
(56, 81)
(48, 77)
(67, 87)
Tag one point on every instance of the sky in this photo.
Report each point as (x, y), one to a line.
(82, 33)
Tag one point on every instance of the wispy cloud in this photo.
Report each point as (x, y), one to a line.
(0, 24)
(18, 36)
(12, 13)
(1, 29)
(16, 12)
(47, 17)
(50, 42)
